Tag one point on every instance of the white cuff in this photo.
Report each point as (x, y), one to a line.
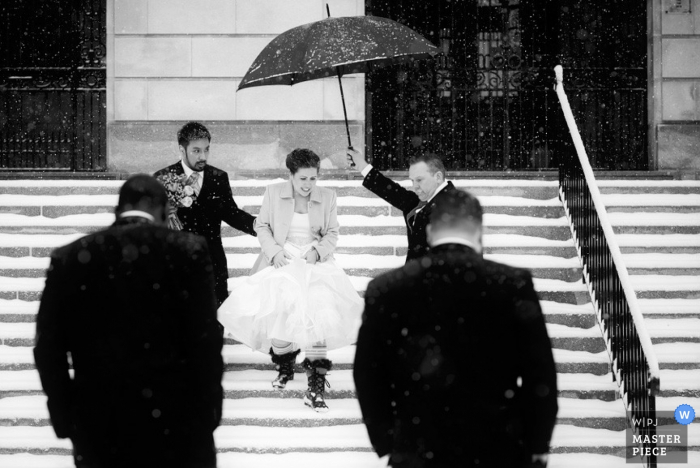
(366, 170)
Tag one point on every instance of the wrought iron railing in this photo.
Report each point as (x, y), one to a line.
(28, 152)
(635, 367)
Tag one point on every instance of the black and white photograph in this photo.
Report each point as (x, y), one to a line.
(349, 233)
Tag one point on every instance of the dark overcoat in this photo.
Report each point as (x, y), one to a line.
(406, 201)
(454, 366)
(133, 309)
(213, 205)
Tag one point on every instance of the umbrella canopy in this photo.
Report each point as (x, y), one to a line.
(335, 47)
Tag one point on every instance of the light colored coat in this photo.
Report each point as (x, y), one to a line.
(276, 212)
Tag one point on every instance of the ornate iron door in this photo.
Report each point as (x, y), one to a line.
(52, 85)
(486, 102)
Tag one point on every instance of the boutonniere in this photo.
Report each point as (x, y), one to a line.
(180, 195)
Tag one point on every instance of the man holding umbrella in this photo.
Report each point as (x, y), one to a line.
(427, 172)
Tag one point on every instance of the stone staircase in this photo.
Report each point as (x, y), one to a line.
(658, 225)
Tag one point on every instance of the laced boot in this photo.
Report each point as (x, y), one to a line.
(316, 372)
(284, 363)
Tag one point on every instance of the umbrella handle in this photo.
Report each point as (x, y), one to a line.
(352, 161)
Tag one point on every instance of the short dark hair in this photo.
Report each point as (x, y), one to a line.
(432, 160)
(302, 159)
(192, 131)
(456, 209)
(141, 190)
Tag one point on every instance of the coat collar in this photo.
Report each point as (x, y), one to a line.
(127, 220)
(288, 192)
(454, 248)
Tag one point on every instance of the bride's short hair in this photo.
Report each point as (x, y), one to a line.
(302, 159)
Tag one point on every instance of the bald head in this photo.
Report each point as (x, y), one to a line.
(143, 192)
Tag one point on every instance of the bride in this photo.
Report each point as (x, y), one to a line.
(297, 298)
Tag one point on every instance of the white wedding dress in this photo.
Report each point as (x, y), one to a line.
(300, 303)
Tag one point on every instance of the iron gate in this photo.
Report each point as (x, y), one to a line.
(52, 85)
(486, 101)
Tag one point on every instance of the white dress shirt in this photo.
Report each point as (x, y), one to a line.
(137, 214)
(456, 240)
(188, 173)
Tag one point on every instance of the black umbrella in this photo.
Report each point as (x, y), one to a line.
(335, 46)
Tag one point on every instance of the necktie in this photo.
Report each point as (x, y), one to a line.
(193, 180)
(412, 214)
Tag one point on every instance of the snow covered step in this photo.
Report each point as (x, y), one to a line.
(652, 203)
(567, 269)
(353, 437)
(678, 355)
(662, 263)
(14, 310)
(578, 315)
(656, 223)
(64, 205)
(536, 189)
(670, 308)
(551, 228)
(334, 459)
(658, 243)
(342, 459)
(258, 439)
(680, 383)
(666, 286)
(32, 411)
(29, 289)
(562, 337)
(249, 383)
(572, 439)
(631, 186)
(671, 403)
(676, 330)
(573, 315)
(568, 361)
(329, 459)
(23, 245)
(238, 357)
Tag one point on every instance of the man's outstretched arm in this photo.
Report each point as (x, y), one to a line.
(376, 182)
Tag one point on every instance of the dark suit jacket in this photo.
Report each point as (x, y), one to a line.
(134, 306)
(405, 200)
(213, 205)
(442, 345)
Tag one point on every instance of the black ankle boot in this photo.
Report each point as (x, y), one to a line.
(284, 363)
(316, 372)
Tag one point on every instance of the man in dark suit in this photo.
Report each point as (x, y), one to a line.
(427, 172)
(213, 202)
(454, 366)
(133, 309)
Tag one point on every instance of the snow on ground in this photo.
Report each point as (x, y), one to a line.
(346, 261)
(658, 240)
(677, 352)
(651, 199)
(370, 200)
(351, 240)
(654, 219)
(26, 330)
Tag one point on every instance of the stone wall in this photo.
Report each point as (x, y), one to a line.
(171, 61)
(676, 84)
